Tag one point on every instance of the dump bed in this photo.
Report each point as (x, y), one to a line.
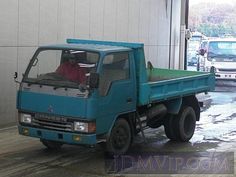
(165, 84)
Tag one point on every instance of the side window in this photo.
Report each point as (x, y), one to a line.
(115, 67)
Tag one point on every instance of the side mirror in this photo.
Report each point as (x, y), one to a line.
(202, 52)
(15, 75)
(94, 80)
(15, 78)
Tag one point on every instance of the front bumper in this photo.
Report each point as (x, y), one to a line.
(225, 76)
(64, 137)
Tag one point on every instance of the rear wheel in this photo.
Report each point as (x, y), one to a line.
(53, 145)
(185, 124)
(120, 138)
(181, 127)
(169, 127)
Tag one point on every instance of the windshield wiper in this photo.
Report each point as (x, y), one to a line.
(30, 81)
(48, 77)
(60, 86)
(54, 82)
(81, 87)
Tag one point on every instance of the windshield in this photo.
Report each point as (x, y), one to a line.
(224, 51)
(67, 68)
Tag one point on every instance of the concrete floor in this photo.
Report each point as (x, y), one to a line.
(216, 132)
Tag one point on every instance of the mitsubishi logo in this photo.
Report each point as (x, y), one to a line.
(50, 109)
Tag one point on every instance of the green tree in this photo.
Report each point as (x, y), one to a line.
(213, 20)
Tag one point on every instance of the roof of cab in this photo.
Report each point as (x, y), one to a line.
(96, 46)
(87, 47)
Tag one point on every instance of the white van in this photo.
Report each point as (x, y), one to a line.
(219, 56)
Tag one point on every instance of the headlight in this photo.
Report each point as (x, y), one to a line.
(88, 127)
(25, 118)
(81, 126)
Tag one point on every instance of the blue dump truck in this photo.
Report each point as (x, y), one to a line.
(121, 97)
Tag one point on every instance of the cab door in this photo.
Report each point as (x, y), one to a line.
(117, 88)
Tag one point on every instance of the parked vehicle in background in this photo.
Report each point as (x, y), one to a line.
(197, 36)
(219, 56)
(200, 63)
(192, 52)
(193, 47)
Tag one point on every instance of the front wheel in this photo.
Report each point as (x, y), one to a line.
(120, 138)
(52, 145)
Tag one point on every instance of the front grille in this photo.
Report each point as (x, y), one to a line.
(227, 70)
(52, 122)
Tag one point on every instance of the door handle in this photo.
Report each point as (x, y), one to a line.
(129, 100)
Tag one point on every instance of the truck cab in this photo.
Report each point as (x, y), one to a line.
(48, 102)
(219, 56)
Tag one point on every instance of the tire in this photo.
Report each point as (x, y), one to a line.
(120, 138)
(52, 145)
(184, 124)
(169, 127)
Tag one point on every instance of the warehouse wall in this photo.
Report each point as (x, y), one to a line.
(26, 24)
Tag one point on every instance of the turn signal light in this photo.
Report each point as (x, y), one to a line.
(25, 131)
(92, 127)
(76, 137)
